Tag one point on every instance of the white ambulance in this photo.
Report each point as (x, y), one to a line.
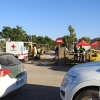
(18, 49)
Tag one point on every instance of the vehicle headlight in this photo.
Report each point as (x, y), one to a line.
(68, 79)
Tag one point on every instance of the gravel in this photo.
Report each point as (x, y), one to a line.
(43, 81)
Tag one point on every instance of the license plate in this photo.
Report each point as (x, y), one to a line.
(20, 82)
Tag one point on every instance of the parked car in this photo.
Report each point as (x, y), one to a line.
(12, 74)
(81, 82)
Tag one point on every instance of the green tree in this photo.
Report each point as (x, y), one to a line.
(40, 40)
(2, 43)
(87, 39)
(48, 40)
(6, 32)
(34, 39)
(71, 29)
(70, 39)
(72, 35)
(98, 39)
(67, 41)
(15, 34)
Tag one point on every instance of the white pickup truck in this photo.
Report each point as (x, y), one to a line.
(82, 82)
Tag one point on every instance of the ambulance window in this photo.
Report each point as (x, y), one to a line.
(26, 46)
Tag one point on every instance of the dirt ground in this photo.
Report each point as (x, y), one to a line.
(43, 81)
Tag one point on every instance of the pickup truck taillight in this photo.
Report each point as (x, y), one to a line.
(4, 72)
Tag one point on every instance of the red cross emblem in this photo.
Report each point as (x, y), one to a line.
(13, 46)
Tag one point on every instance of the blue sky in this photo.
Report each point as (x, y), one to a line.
(52, 17)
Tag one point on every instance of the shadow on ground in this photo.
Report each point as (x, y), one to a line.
(50, 53)
(47, 60)
(35, 92)
(49, 63)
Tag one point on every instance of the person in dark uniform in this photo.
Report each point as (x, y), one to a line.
(81, 51)
(76, 53)
(38, 52)
(56, 51)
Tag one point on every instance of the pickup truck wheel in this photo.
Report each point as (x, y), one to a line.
(88, 95)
